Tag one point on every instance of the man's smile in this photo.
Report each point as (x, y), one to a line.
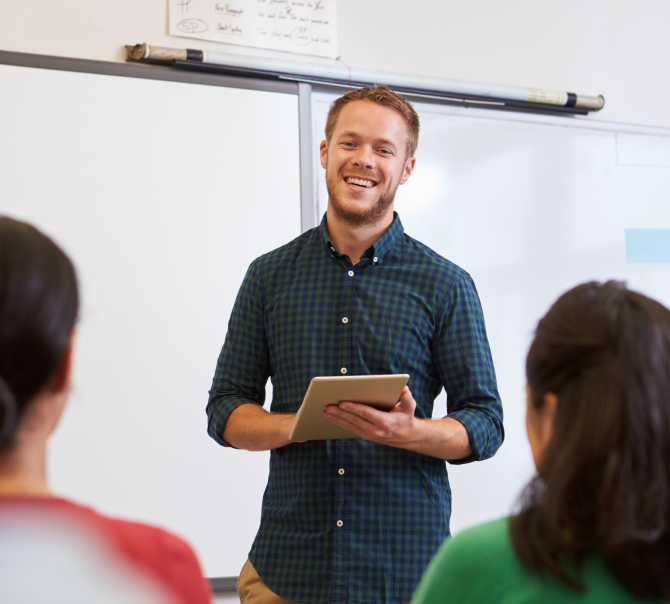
(364, 183)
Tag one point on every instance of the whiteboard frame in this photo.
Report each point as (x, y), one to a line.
(143, 70)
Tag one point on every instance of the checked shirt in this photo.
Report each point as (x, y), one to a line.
(352, 521)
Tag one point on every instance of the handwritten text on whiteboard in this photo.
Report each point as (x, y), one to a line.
(302, 26)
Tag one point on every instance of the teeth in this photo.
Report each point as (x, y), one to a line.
(358, 181)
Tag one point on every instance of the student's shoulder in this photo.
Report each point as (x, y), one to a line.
(150, 540)
(472, 567)
(482, 543)
(160, 553)
(165, 555)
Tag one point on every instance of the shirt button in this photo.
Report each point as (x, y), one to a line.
(343, 370)
(340, 523)
(351, 273)
(332, 249)
(340, 471)
(375, 260)
(345, 320)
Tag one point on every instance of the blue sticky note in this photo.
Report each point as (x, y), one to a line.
(647, 245)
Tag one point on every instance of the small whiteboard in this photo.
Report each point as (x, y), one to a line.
(307, 27)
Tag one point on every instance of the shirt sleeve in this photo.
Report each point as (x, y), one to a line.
(243, 367)
(464, 364)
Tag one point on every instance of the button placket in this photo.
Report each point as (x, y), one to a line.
(343, 450)
(346, 335)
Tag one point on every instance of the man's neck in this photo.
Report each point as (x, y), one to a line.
(353, 240)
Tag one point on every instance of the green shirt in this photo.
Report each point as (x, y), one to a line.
(480, 565)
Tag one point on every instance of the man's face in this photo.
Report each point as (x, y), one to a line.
(365, 161)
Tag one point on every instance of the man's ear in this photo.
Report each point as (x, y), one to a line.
(409, 168)
(323, 153)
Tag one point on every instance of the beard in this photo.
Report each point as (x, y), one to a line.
(356, 216)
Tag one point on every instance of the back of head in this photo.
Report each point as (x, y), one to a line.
(39, 302)
(382, 95)
(605, 477)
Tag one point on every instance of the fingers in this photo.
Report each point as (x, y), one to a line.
(370, 413)
(352, 422)
(371, 424)
(362, 420)
(355, 413)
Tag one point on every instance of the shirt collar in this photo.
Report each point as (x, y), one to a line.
(378, 249)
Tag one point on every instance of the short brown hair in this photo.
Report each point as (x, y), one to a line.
(382, 95)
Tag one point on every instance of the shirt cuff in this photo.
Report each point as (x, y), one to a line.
(478, 435)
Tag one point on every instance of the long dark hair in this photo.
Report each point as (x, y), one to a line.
(604, 482)
(39, 302)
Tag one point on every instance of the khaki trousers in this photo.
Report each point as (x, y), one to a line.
(252, 590)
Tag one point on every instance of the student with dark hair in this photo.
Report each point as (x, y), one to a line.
(594, 522)
(39, 302)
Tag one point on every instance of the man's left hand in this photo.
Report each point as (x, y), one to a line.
(397, 427)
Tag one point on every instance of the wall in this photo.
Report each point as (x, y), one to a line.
(585, 46)
(610, 47)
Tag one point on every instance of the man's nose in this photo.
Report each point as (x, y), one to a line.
(364, 158)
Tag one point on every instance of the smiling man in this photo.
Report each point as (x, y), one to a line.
(356, 520)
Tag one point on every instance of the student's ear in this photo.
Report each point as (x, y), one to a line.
(551, 405)
(60, 382)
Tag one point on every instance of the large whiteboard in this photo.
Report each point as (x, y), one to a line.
(530, 207)
(162, 193)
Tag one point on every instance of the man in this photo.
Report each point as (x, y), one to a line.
(356, 520)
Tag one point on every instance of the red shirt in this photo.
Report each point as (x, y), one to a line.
(164, 557)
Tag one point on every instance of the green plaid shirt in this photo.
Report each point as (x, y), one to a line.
(348, 521)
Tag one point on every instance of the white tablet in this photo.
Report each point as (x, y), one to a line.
(379, 391)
